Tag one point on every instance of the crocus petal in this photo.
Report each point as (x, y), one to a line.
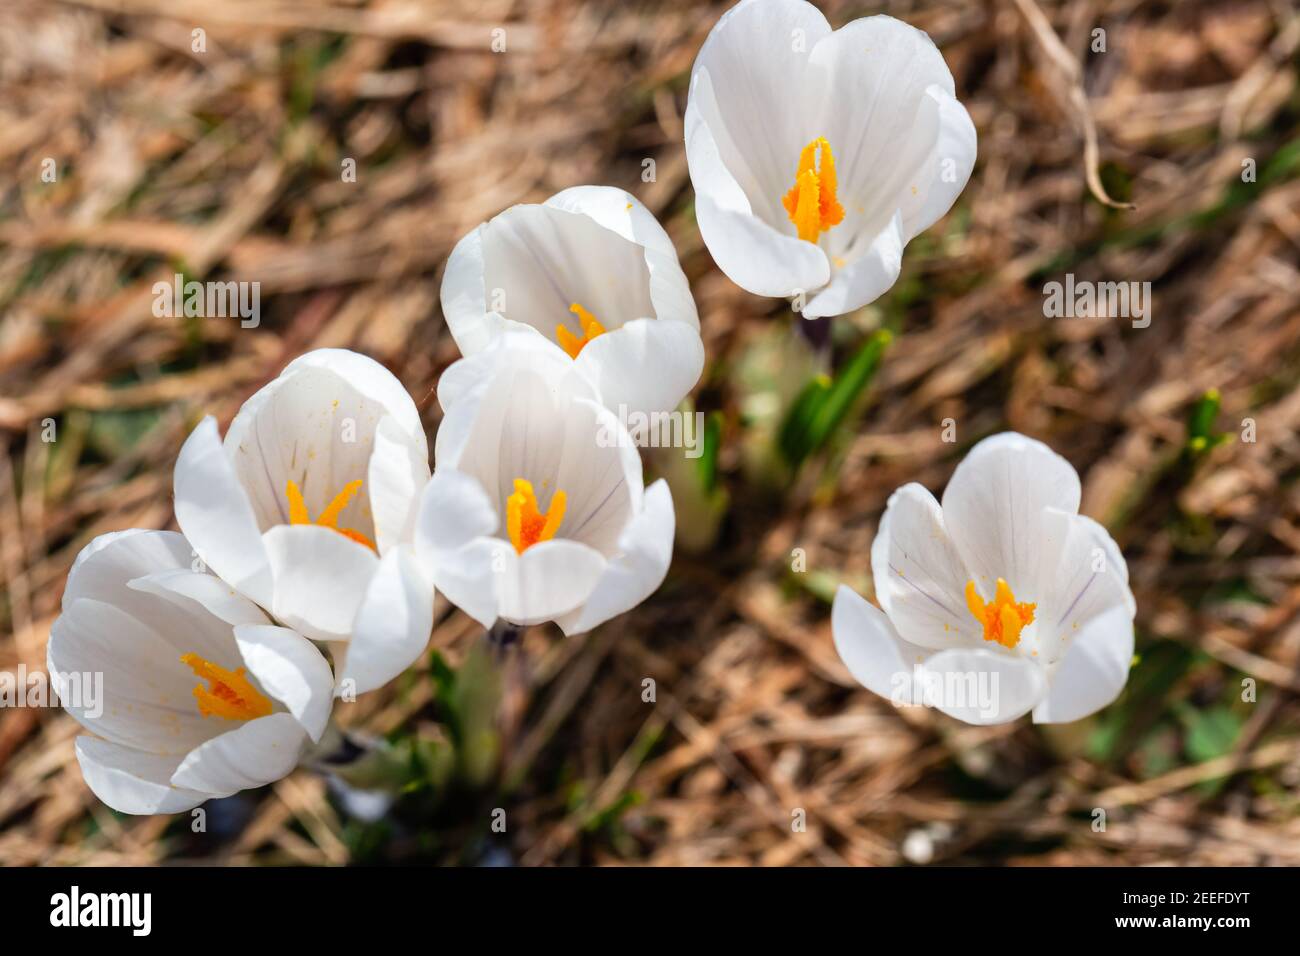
(994, 506)
(368, 377)
(983, 687)
(148, 702)
(871, 649)
(216, 515)
(645, 551)
(649, 365)
(905, 136)
(1093, 671)
(751, 251)
(259, 752)
(548, 580)
(752, 86)
(399, 470)
(290, 669)
(454, 510)
(392, 625)
(950, 163)
(470, 576)
(472, 324)
(105, 565)
(1082, 576)
(621, 213)
(205, 590)
(863, 278)
(919, 576)
(132, 781)
(320, 579)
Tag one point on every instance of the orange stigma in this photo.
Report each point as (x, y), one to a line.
(811, 203)
(590, 329)
(525, 523)
(229, 694)
(329, 518)
(1003, 618)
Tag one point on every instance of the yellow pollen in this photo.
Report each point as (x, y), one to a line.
(329, 518)
(229, 694)
(525, 523)
(590, 329)
(811, 203)
(1003, 618)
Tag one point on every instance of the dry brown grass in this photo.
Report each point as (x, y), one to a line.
(227, 163)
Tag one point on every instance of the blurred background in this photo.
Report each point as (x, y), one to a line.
(134, 148)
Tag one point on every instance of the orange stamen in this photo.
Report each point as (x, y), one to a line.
(1003, 618)
(525, 523)
(811, 203)
(590, 329)
(229, 694)
(329, 518)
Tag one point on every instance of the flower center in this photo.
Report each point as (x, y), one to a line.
(526, 524)
(811, 202)
(329, 518)
(1003, 618)
(228, 695)
(590, 329)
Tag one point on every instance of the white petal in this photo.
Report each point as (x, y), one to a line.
(147, 699)
(750, 250)
(871, 649)
(290, 669)
(320, 579)
(464, 305)
(649, 365)
(919, 576)
(105, 565)
(470, 576)
(620, 212)
(864, 277)
(454, 510)
(392, 626)
(891, 143)
(753, 87)
(950, 164)
(1093, 671)
(994, 506)
(259, 752)
(645, 551)
(518, 346)
(198, 592)
(538, 260)
(548, 580)
(616, 210)
(1082, 575)
(399, 470)
(368, 377)
(981, 686)
(132, 781)
(216, 515)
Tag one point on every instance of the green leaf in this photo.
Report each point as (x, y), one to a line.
(823, 405)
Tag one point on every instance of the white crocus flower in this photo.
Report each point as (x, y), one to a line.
(201, 696)
(817, 155)
(308, 508)
(536, 510)
(592, 272)
(1004, 600)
